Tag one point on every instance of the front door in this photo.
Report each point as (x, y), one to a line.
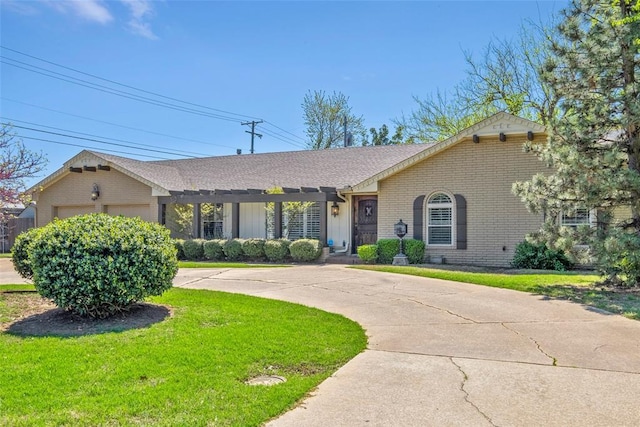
(365, 221)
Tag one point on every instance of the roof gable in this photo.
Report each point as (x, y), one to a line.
(494, 125)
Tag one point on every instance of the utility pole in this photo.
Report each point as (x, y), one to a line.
(252, 131)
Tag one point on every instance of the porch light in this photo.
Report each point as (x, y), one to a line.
(335, 209)
(95, 192)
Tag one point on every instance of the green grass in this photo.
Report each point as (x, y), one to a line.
(7, 255)
(186, 370)
(580, 288)
(207, 264)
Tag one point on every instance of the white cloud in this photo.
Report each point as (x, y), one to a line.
(141, 11)
(90, 10)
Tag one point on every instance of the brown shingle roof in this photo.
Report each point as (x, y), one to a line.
(337, 167)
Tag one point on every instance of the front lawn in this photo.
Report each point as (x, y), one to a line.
(580, 288)
(221, 264)
(188, 369)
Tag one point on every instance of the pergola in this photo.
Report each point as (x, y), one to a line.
(236, 198)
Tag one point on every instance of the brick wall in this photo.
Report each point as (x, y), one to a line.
(483, 174)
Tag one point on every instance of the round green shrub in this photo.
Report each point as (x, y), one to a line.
(368, 253)
(414, 250)
(20, 252)
(233, 249)
(277, 250)
(387, 249)
(213, 250)
(193, 249)
(305, 250)
(179, 244)
(539, 257)
(97, 265)
(254, 249)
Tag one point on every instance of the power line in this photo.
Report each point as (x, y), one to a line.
(93, 140)
(285, 131)
(93, 148)
(116, 124)
(132, 143)
(124, 85)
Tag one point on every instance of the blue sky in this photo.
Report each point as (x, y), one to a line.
(239, 60)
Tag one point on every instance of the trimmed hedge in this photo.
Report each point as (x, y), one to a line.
(254, 249)
(368, 253)
(414, 250)
(97, 265)
(233, 249)
(20, 252)
(277, 250)
(213, 249)
(539, 257)
(305, 250)
(387, 249)
(194, 249)
(179, 244)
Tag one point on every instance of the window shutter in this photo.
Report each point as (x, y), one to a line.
(461, 222)
(418, 212)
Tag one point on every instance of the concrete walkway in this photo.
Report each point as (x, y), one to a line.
(451, 354)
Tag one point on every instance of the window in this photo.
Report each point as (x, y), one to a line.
(440, 220)
(304, 225)
(575, 218)
(212, 220)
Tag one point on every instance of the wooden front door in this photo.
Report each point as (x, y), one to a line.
(365, 221)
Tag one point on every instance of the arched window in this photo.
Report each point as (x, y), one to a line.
(440, 220)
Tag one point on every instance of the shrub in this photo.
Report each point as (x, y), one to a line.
(539, 256)
(233, 249)
(213, 249)
(414, 250)
(179, 244)
(20, 252)
(368, 253)
(193, 249)
(253, 248)
(97, 265)
(305, 250)
(276, 250)
(387, 249)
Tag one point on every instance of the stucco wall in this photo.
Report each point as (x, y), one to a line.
(72, 195)
(483, 173)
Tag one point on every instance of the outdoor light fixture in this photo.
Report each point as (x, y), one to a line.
(503, 137)
(530, 136)
(400, 229)
(476, 139)
(335, 209)
(95, 192)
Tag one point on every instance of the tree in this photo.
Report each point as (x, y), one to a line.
(594, 149)
(324, 116)
(381, 137)
(17, 163)
(504, 79)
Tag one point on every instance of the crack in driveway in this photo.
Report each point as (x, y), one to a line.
(467, 398)
(443, 309)
(554, 361)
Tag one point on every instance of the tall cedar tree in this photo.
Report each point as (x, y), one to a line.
(594, 149)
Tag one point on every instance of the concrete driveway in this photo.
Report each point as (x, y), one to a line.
(445, 353)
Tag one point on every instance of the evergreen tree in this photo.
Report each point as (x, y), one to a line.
(594, 149)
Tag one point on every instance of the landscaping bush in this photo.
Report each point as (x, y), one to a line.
(233, 249)
(193, 249)
(387, 249)
(213, 249)
(368, 253)
(179, 244)
(254, 249)
(305, 250)
(540, 257)
(414, 250)
(20, 252)
(277, 250)
(98, 265)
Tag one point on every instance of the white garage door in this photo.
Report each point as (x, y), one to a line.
(143, 211)
(69, 211)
